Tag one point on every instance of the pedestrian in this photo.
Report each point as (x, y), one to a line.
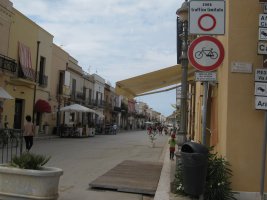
(28, 133)
(172, 143)
(114, 127)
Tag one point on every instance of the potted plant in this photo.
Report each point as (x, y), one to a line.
(25, 177)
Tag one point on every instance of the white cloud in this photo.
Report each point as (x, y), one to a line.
(118, 38)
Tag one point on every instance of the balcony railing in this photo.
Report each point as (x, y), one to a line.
(26, 73)
(80, 96)
(8, 64)
(42, 80)
(89, 102)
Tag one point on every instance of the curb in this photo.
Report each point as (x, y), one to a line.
(163, 189)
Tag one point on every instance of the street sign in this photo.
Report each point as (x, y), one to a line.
(261, 75)
(263, 20)
(265, 8)
(207, 17)
(264, 62)
(241, 67)
(262, 48)
(206, 53)
(260, 103)
(263, 34)
(261, 88)
(205, 76)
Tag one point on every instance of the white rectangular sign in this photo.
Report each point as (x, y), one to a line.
(207, 17)
(261, 88)
(241, 67)
(260, 103)
(263, 20)
(262, 48)
(205, 76)
(265, 8)
(263, 34)
(261, 75)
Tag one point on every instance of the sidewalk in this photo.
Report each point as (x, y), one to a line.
(167, 176)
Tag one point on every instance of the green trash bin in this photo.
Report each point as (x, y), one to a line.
(194, 159)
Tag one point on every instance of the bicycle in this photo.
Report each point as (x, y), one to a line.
(207, 52)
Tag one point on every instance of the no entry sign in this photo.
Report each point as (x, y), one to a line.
(207, 17)
(206, 53)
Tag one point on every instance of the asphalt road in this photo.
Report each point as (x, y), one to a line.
(85, 159)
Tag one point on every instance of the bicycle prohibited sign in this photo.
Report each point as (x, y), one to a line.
(206, 53)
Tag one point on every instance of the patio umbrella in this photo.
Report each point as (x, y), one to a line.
(100, 115)
(76, 108)
(4, 94)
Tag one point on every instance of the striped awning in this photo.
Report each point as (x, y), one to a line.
(4, 94)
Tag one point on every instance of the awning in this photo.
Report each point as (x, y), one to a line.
(4, 94)
(42, 106)
(76, 108)
(100, 115)
(138, 85)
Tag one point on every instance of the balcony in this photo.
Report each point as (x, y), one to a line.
(25, 76)
(117, 109)
(63, 90)
(42, 80)
(90, 102)
(101, 104)
(8, 64)
(80, 96)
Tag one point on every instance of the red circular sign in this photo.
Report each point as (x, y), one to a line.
(206, 16)
(206, 53)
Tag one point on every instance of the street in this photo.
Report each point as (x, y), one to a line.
(85, 159)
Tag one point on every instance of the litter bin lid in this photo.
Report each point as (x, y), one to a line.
(193, 147)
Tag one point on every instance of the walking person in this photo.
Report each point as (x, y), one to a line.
(172, 143)
(28, 133)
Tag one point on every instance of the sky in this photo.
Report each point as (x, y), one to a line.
(117, 39)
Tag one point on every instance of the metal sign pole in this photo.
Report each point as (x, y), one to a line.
(204, 111)
(263, 156)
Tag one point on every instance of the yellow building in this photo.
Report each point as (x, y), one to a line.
(234, 126)
(59, 83)
(20, 84)
(28, 48)
(237, 129)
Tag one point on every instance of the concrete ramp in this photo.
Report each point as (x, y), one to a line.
(140, 177)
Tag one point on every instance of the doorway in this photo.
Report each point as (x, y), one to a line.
(18, 114)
